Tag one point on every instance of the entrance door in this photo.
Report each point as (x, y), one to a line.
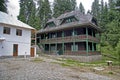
(32, 53)
(15, 49)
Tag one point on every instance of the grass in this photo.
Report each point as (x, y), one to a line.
(37, 60)
(101, 62)
(110, 72)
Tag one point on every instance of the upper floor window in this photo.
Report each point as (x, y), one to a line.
(68, 20)
(6, 30)
(51, 24)
(19, 32)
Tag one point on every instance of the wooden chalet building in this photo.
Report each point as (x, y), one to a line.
(72, 33)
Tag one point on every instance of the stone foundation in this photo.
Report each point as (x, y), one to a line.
(83, 58)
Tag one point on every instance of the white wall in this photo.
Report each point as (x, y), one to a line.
(24, 41)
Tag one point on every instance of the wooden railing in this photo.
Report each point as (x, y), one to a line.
(69, 39)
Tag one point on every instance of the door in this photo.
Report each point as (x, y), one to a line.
(32, 53)
(15, 49)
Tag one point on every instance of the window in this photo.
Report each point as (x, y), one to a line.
(51, 24)
(6, 30)
(69, 20)
(18, 32)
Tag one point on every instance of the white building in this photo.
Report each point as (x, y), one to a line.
(15, 36)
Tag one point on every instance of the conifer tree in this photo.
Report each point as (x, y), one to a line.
(62, 6)
(95, 9)
(3, 6)
(44, 12)
(27, 12)
(81, 8)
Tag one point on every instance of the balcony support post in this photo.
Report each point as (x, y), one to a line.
(49, 48)
(87, 41)
(93, 47)
(56, 48)
(73, 39)
(63, 42)
(44, 47)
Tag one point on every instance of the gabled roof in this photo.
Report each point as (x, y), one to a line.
(9, 20)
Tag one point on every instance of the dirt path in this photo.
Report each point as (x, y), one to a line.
(46, 69)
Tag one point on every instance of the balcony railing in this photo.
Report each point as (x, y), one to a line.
(69, 39)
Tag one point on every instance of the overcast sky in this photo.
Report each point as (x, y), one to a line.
(13, 6)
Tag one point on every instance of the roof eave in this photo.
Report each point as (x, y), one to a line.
(32, 29)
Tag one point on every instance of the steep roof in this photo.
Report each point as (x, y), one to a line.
(83, 19)
(9, 20)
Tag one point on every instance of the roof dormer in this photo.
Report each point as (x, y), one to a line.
(50, 24)
(68, 20)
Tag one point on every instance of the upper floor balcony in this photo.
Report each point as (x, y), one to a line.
(77, 38)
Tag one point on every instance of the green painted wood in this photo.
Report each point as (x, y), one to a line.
(63, 42)
(87, 41)
(44, 47)
(63, 48)
(56, 48)
(49, 48)
(93, 47)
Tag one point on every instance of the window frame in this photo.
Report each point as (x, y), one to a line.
(6, 30)
(19, 32)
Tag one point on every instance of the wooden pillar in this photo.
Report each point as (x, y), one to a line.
(49, 48)
(63, 41)
(40, 39)
(92, 42)
(93, 47)
(44, 47)
(87, 41)
(73, 39)
(56, 48)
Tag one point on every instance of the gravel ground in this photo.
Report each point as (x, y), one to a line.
(25, 69)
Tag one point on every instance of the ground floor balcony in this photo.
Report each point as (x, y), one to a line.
(77, 38)
(71, 48)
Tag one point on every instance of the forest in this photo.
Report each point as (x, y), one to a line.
(37, 12)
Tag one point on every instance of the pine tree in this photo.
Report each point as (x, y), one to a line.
(3, 6)
(96, 9)
(111, 4)
(118, 51)
(62, 6)
(27, 12)
(118, 3)
(73, 4)
(44, 12)
(81, 8)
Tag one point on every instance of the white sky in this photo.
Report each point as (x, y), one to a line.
(13, 6)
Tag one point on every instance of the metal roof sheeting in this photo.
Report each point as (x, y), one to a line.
(9, 20)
